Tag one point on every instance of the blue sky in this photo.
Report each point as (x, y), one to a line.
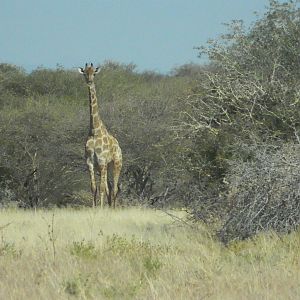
(155, 35)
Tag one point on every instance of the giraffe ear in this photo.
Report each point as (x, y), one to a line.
(97, 70)
(80, 70)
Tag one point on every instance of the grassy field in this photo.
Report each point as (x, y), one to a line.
(138, 254)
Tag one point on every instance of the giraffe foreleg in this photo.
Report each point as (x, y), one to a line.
(103, 183)
(116, 174)
(90, 164)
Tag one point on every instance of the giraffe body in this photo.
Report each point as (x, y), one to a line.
(101, 149)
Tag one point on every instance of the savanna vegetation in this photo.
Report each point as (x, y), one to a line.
(136, 253)
(219, 141)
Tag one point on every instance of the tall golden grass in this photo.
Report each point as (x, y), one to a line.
(138, 254)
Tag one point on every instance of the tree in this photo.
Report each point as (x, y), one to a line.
(250, 97)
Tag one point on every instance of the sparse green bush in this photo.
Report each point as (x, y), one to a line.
(121, 246)
(78, 286)
(84, 249)
(152, 265)
(71, 287)
(9, 249)
(140, 254)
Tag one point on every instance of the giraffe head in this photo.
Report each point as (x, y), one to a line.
(89, 73)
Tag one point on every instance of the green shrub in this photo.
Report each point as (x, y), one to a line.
(9, 249)
(78, 286)
(84, 249)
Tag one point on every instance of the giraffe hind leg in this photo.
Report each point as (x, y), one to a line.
(109, 193)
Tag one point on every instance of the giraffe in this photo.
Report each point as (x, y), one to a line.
(101, 148)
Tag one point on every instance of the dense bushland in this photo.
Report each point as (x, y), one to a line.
(220, 139)
(45, 120)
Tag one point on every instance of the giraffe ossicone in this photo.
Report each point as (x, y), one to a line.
(101, 148)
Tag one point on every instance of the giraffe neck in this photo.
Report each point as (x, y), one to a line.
(96, 124)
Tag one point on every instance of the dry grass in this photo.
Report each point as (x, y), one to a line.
(137, 254)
